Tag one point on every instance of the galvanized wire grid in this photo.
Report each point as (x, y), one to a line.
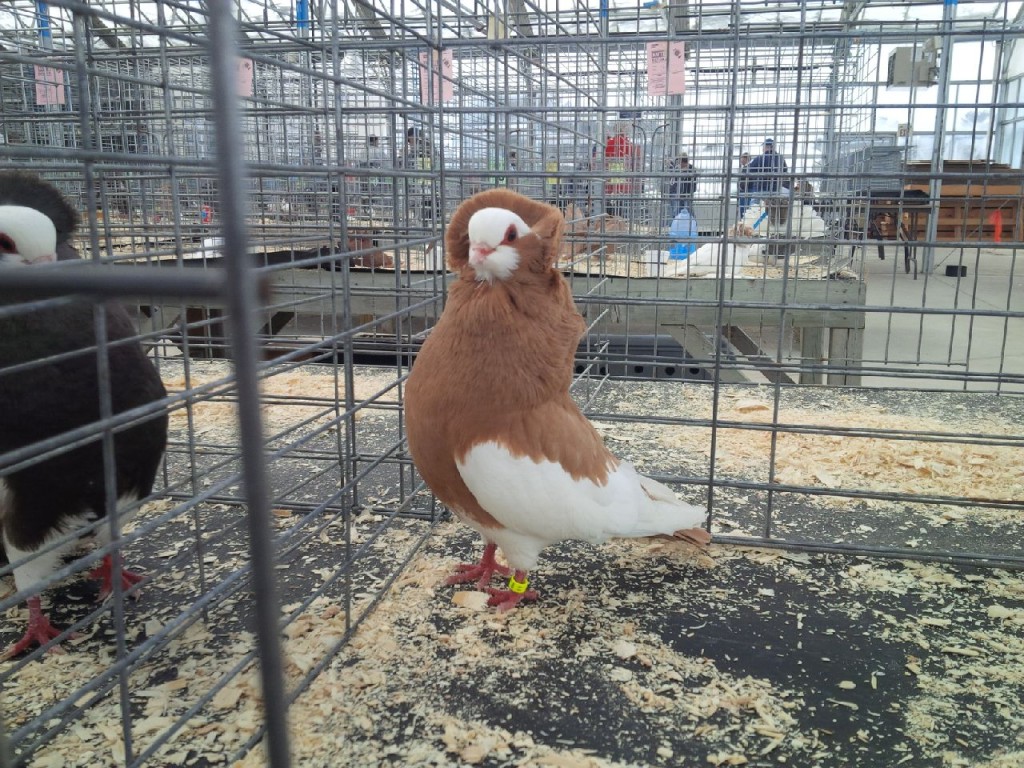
(353, 162)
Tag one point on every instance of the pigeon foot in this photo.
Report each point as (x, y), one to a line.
(507, 599)
(105, 573)
(481, 572)
(39, 632)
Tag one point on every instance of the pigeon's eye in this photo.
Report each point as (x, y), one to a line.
(511, 235)
(7, 245)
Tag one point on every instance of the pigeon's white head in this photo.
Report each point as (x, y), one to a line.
(27, 236)
(493, 243)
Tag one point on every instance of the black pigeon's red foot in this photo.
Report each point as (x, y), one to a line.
(513, 595)
(481, 572)
(39, 632)
(105, 573)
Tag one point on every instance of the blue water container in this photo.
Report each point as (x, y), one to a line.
(684, 235)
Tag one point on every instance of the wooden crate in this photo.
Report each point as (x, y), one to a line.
(978, 201)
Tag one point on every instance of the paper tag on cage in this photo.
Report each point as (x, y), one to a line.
(436, 66)
(666, 69)
(245, 76)
(49, 85)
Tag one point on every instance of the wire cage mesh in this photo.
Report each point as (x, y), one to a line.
(808, 370)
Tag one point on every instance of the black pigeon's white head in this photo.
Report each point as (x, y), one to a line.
(493, 242)
(27, 236)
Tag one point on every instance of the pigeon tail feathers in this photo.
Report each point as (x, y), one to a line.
(663, 512)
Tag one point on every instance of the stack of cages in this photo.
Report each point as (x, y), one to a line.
(342, 204)
(885, 180)
(808, 393)
(839, 278)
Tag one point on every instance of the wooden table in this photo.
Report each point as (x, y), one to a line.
(825, 312)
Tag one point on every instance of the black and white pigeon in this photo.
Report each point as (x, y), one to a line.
(42, 397)
(19, 188)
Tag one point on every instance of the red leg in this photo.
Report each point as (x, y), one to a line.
(480, 572)
(39, 632)
(508, 598)
(105, 572)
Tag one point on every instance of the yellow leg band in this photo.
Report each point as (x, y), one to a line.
(519, 587)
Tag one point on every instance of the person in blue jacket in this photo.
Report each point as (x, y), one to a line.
(766, 173)
(681, 186)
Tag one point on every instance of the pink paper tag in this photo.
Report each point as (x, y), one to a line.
(443, 86)
(49, 85)
(666, 69)
(245, 71)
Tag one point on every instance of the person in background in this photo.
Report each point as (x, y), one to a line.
(576, 187)
(503, 171)
(621, 157)
(419, 156)
(372, 187)
(743, 184)
(681, 186)
(511, 166)
(551, 182)
(418, 149)
(374, 153)
(767, 173)
(591, 187)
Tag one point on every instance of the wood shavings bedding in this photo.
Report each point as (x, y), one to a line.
(957, 468)
(621, 265)
(804, 267)
(403, 654)
(666, 660)
(866, 463)
(164, 685)
(639, 652)
(288, 397)
(96, 738)
(979, 656)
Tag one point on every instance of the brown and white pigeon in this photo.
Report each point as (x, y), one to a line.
(49, 385)
(490, 422)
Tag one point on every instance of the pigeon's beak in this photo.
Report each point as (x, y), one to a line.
(478, 252)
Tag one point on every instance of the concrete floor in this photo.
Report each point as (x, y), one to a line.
(940, 351)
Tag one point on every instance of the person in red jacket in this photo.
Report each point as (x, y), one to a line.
(621, 157)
